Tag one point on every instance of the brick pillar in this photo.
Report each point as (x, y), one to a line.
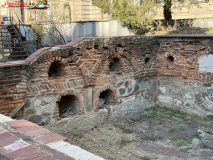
(88, 98)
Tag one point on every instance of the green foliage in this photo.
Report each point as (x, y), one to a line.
(48, 23)
(185, 140)
(145, 158)
(125, 129)
(138, 15)
(160, 115)
(182, 150)
(181, 129)
(172, 130)
(135, 16)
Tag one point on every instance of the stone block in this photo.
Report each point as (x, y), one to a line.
(122, 91)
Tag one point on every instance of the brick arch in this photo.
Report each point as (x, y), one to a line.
(87, 76)
(113, 53)
(151, 63)
(80, 109)
(98, 92)
(131, 58)
(62, 61)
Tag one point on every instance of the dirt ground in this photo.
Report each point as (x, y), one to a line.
(157, 133)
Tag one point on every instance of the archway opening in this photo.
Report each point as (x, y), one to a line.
(115, 65)
(147, 60)
(106, 99)
(68, 106)
(170, 59)
(56, 70)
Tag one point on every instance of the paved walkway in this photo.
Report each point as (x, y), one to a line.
(24, 140)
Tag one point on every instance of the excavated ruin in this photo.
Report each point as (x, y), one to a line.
(73, 87)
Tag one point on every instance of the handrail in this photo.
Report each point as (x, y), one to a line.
(3, 50)
(23, 28)
(20, 40)
(8, 44)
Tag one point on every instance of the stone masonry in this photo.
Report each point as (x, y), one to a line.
(130, 73)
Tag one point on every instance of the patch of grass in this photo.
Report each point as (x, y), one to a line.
(172, 130)
(110, 129)
(125, 129)
(145, 158)
(78, 135)
(181, 128)
(124, 141)
(185, 140)
(182, 150)
(147, 137)
(163, 114)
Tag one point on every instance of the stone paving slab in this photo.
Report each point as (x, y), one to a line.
(51, 137)
(1, 130)
(24, 140)
(13, 147)
(38, 132)
(6, 138)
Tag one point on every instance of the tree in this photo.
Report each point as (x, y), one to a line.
(134, 15)
(138, 14)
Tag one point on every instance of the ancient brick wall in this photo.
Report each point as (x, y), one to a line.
(184, 73)
(13, 84)
(84, 69)
(129, 73)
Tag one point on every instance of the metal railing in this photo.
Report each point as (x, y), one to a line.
(21, 24)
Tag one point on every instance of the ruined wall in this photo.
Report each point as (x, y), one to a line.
(185, 73)
(13, 82)
(73, 87)
(67, 81)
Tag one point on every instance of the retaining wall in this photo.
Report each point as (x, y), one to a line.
(131, 73)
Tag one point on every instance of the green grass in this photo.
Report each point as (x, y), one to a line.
(110, 129)
(160, 115)
(182, 150)
(123, 141)
(181, 129)
(125, 129)
(173, 130)
(145, 158)
(78, 135)
(185, 140)
(148, 137)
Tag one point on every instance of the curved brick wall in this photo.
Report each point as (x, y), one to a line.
(161, 69)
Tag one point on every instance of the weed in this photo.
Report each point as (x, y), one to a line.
(173, 130)
(125, 129)
(149, 138)
(78, 135)
(125, 141)
(163, 114)
(145, 158)
(204, 157)
(182, 150)
(185, 140)
(181, 129)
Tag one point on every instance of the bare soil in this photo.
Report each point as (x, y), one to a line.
(157, 133)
